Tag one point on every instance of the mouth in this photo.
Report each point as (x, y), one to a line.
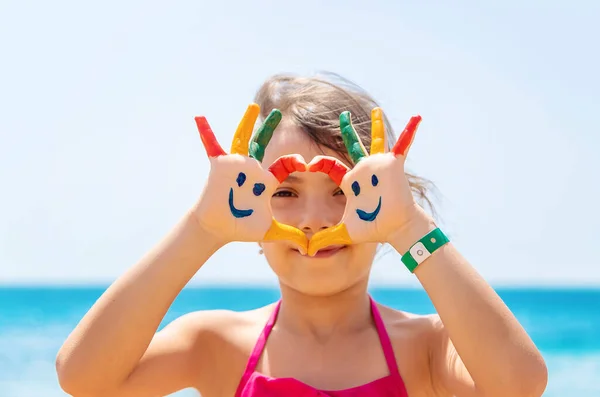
(237, 212)
(326, 252)
(369, 216)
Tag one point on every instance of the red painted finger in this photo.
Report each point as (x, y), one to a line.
(213, 149)
(406, 138)
(330, 166)
(285, 165)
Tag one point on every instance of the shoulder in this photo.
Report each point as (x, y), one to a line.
(222, 324)
(412, 337)
(401, 324)
(220, 342)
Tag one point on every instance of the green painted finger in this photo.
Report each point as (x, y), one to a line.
(355, 148)
(263, 135)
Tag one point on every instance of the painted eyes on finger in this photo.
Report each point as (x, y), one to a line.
(257, 190)
(362, 214)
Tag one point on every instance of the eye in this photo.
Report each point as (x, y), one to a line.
(258, 189)
(339, 192)
(241, 178)
(284, 193)
(374, 180)
(356, 188)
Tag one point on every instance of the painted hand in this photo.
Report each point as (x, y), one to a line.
(379, 199)
(235, 204)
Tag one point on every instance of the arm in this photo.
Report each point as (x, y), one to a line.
(480, 349)
(112, 350)
(103, 352)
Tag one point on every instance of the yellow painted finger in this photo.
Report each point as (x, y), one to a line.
(377, 131)
(279, 231)
(336, 235)
(241, 139)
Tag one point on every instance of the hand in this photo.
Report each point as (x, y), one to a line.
(379, 199)
(236, 202)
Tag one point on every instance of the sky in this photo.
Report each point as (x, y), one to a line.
(100, 155)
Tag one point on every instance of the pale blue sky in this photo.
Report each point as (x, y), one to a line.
(100, 156)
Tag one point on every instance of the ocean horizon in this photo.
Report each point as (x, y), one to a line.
(564, 322)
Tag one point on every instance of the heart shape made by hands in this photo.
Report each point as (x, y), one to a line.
(360, 222)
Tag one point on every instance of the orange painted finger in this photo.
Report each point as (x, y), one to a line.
(285, 165)
(330, 166)
(406, 138)
(213, 149)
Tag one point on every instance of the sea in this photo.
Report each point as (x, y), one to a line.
(34, 322)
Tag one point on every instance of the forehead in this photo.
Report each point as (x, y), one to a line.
(290, 139)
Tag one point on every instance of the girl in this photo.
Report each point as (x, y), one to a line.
(326, 336)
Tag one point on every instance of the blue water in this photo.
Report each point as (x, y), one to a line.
(565, 325)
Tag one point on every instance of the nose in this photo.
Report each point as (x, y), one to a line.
(319, 215)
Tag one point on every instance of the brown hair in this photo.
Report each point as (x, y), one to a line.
(315, 103)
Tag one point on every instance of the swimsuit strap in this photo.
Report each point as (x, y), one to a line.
(258, 349)
(384, 339)
(386, 343)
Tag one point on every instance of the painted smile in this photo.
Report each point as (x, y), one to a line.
(369, 216)
(234, 211)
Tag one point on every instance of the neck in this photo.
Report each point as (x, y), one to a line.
(325, 316)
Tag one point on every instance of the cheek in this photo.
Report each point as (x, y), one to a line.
(286, 210)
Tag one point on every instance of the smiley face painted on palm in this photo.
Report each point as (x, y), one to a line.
(376, 195)
(362, 214)
(257, 190)
(236, 202)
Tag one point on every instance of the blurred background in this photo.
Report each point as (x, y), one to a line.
(100, 155)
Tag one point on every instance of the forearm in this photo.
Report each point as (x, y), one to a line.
(491, 343)
(112, 337)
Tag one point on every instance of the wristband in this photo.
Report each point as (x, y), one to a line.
(423, 249)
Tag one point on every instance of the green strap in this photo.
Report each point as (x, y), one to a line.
(423, 248)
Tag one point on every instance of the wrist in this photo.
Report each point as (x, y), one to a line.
(206, 237)
(419, 224)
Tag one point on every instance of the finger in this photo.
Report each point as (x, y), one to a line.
(354, 146)
(406, 138)
(242, 135)
(330, 166)
(278, 232)
(377, 131)
(213, 149)
(335, 235)
(264, 134)
(285, 165)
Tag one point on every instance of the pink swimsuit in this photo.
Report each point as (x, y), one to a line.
(254, 384)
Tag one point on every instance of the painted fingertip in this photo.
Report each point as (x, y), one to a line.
(273, 120)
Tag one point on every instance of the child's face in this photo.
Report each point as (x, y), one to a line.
(311, 202)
